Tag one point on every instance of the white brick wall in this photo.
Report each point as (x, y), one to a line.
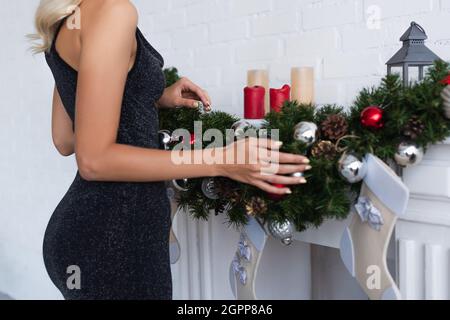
(335, 36)
(212, 41)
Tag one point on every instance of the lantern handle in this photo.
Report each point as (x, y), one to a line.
(418, 26)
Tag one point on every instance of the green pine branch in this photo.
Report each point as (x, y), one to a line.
(327, 195)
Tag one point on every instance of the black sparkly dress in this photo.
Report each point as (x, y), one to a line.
(116, 233)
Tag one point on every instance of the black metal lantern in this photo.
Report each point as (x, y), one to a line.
(414, 53)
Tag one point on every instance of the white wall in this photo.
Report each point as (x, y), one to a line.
(32, 177)
(216, 41)
(212, 41)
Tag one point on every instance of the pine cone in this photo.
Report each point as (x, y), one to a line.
(414, 128)
(334, 127)
(256, 207)
(324, 149)
(234, 197)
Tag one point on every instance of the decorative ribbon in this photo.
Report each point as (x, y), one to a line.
(244, 249)
(244, 252)
(239, 270)
(369, 213)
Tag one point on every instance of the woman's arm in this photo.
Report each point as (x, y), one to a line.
(62, 127)
(184, 93)
(106, 49)
(107, 43)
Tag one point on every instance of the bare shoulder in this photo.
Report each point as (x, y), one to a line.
(122, 9)
(110, 14)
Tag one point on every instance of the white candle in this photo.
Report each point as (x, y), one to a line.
(260, 78)
(302, 82)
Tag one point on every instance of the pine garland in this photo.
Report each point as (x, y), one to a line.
(326, 195)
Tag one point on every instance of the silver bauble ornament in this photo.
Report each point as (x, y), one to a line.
(297, 175)
(306, 132)
(181, 184)
(352, 168)
(283, 231)
(408, 154)
(240, 127)
(446, 97)
(209, 189)
(165, 138)
(200, 107)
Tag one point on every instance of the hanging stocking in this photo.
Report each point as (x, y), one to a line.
(244, 268)
(364, 245)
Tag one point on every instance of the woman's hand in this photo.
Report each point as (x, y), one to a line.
(259, 162)
(184, 93)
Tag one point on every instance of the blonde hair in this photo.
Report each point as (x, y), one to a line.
(48, 15)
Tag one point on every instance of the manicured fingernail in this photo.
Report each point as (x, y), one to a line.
(308, 168)
(302, 180)
(288, 191)
(306, 161)
(196, 104)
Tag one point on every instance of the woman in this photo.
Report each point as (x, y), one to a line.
(111, 229)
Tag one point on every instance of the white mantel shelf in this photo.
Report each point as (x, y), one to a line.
(423, 235)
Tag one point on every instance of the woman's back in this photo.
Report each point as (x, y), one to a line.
(115, 232)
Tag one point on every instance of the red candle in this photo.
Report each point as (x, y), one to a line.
(254, 102)
(279, 96)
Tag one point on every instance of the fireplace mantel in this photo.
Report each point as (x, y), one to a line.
(422, 236)
(429, 184)
(420, 247)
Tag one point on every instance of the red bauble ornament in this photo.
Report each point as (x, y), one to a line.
(192, 139)
(372, 117)
(277, 197)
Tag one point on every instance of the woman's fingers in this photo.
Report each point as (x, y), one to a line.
(277, 179)
(203, 96)
(292, 158)
(188, 103)
(286, 168)
(265, 144)
(208, 98)
(193, 96)
(281, 157)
